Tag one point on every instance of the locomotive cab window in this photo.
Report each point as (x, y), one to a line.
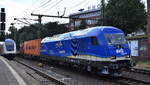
(94, 41)
(117, 38)
(9, 46)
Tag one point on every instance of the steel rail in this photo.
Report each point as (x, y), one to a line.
(130, 81)
(143, 71)
(44, 74)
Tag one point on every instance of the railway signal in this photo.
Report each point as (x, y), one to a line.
(2, 15)
(2, 24)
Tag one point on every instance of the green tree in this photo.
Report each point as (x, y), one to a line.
(99, 22)
(53, 28)
(82, 25)
(128, 15)
(13, 33)
(35, 31)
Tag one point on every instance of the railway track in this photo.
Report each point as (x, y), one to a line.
(76, 78)
(114, 80)
(142, 71)
(135, 76)
(130, 81)
(125, 80)
(44, 74)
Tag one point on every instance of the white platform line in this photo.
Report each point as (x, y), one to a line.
(15, 74)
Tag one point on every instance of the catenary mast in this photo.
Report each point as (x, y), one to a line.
(148, 25)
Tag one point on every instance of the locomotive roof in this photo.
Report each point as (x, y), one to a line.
(9, 40)
(93, 31)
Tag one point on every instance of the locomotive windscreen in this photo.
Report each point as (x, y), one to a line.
(9, 46)
(115, 38)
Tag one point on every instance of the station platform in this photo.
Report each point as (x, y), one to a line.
(8, 76)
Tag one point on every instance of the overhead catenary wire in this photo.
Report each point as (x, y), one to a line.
(70, 9)
(83, 2)
(53, 5)
(59, 1)
(24, 12)
(44, 4)
(29, 8)
(76, 5)
(43, 8)
(87, 3)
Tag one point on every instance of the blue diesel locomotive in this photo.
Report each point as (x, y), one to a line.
(101, 49)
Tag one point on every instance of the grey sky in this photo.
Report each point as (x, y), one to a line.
(23, 8)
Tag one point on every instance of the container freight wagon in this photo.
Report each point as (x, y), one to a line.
(31, 47)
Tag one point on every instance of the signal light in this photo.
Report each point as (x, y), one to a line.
(2, 9)
(2, 16)
(2, 26)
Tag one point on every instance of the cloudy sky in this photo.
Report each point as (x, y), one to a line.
(23, 8)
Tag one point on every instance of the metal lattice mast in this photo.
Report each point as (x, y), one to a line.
(148, 26)
(102, 11)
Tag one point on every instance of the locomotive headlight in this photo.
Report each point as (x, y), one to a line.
(119, 51)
